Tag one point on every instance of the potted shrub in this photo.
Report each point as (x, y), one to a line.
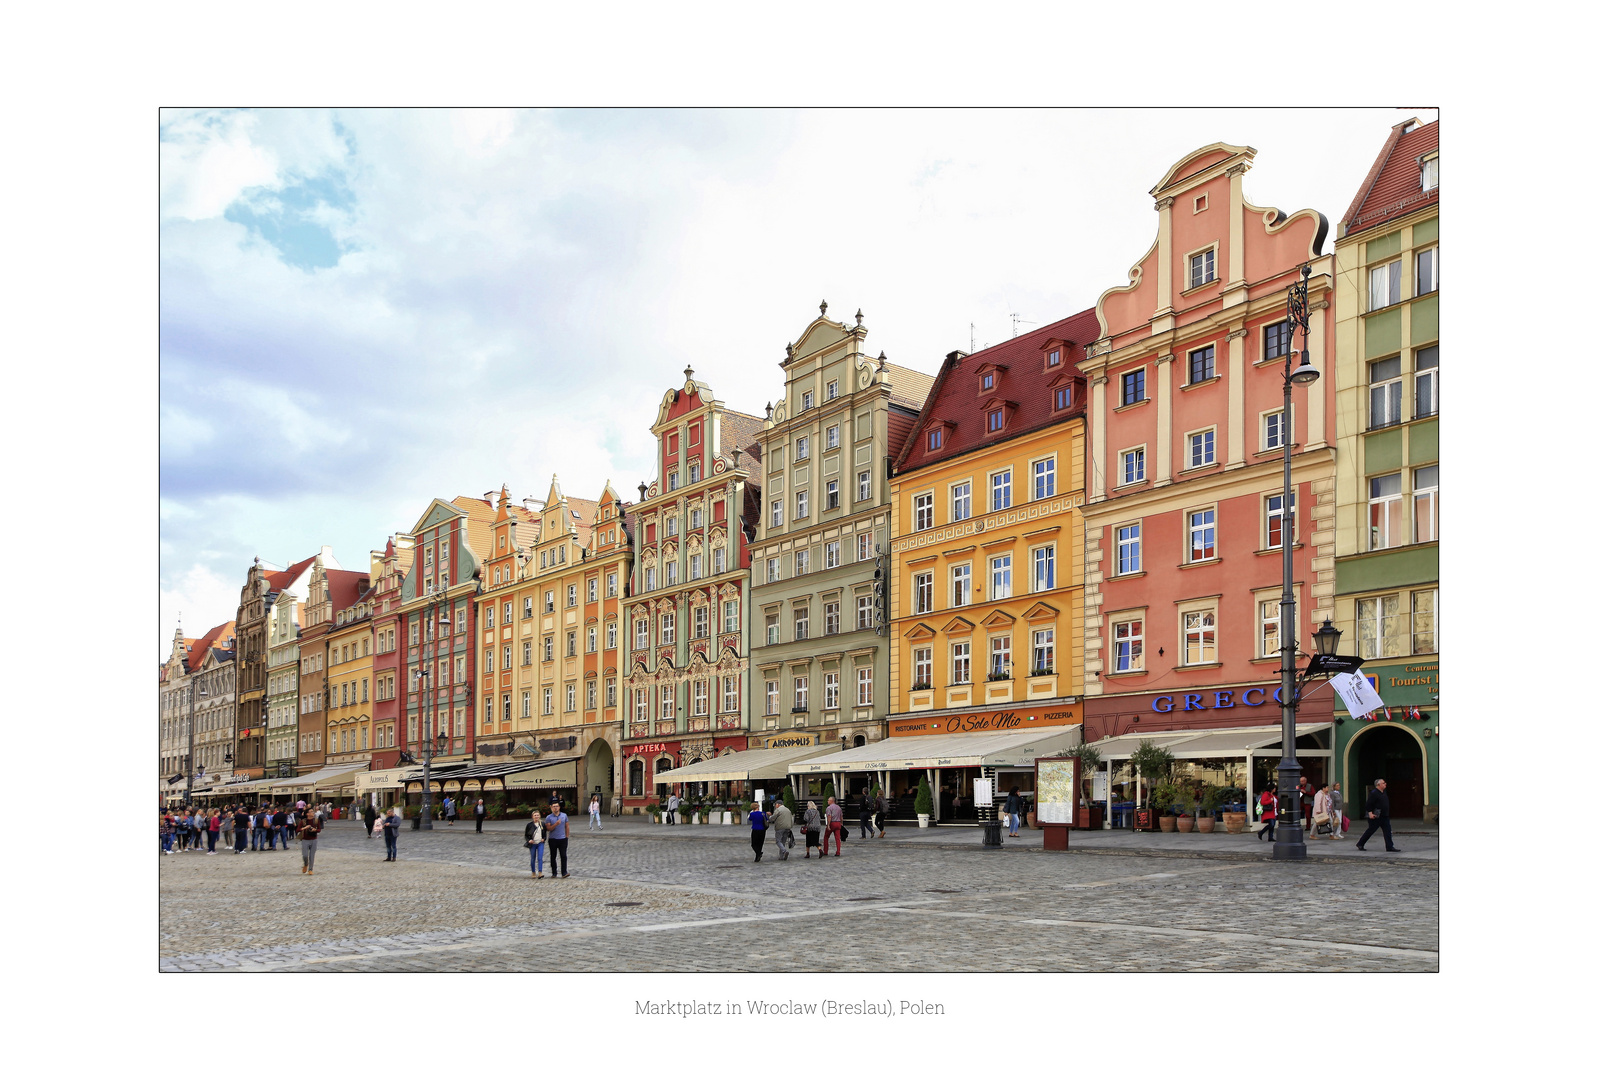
(1184, 804)
(1154, 764)
(1162, 799)
(653, 810)
(923, 802)
(1211, 800)
(1091, 762)
(787, 796)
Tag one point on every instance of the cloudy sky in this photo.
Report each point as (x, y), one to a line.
(362, 310)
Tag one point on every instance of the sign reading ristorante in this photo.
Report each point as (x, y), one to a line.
(1008, 718)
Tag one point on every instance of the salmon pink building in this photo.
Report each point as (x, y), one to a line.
(1184, 518)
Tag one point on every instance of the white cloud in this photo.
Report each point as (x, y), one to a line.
(207, 161)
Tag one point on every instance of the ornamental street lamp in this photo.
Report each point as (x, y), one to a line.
(1290, 833)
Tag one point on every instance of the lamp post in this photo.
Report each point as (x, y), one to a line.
(1290, 833)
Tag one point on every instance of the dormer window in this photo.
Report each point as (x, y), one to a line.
(1428, 173)
(1054, 358)
(996, 420)
(935, 440)
(987, 381)
(1062, 398)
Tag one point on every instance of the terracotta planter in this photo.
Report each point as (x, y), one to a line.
(1184, 824)
(1236, 821)
(1206, 824)
(1031, 819)
(1168, 823)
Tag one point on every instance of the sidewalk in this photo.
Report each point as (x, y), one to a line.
(1417, 842)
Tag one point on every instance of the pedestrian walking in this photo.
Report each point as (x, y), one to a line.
(369, 816)
(1377, 810)
(882, 815)
(213, 825)
(781, 823)
(241, 830)
(671, 809)
(1337, 810)
(593, 815)
(757, 830)
(480, 811)
(227, 826)
(534, 835)
(834, 827)
(1321, 814)
(865, 814)
(280, 826)
(309, 830)
(391, 824)
(812, 827)
(555, 825)
(1012, 811)
(449, 809)
(1267, 804)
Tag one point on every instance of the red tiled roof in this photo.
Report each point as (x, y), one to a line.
(344, 587)
(278, 580)
(1392, 187)
(741, 430)
(955, 400)
(214, 637)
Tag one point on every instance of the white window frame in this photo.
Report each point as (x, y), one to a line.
(921, 592)
(832, 500)
(1198, 624)
(863, 485)
(1427, 381)
(773, 697)
(801, 693)
(832, 554)
(773, 569)
(1378, 621)
(1384, 518)
(776, 513)
(1385, 284)
(1386, 398)
(862, 683)
(960, 501)
(1043, 477)
(1202, 526)
(1272, 435)
(1201, 267)
(1043, 568)
(1201, 448)
(1001, 660)
(1424, 503)
(1001, 577)
(1273, 514)
(801, 505)
(922, 504)
(959, 663)
(729, 693)
(1043, 650)
(829, 690)
(865, 612)
(1001, 489)
(1129, 548)
(960, 585)
(831, 617)
(1133, 465)
(923, 666)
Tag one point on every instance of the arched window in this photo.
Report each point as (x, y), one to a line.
(859, 740)
(635, 778)
(662, 765)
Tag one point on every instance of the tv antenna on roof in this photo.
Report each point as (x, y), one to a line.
(973, 337)
(1015, 320)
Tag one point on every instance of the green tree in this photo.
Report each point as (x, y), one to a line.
(787, 795)
(924, 797)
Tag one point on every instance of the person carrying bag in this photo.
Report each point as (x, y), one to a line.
(534, 837)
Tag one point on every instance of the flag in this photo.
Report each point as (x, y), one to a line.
(1357, 694)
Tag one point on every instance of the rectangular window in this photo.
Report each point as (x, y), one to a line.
(959, 663)
(773, 698)
(1062, 398)
(593, 639)
(1273, 520)
(1054, 358)
(863, 485)
(641, 634)
(1425, 487)
(832, 495)
(571, 697)
(1129, 549)
(1425, 271)
(729, 693)
(649, 579)
(701, 622)
(1278, 340)
(1000, 491)
(960, 501)
(549, 648)
(1198, 637)
(668, 701)
(1201, 364)
(864, 612)
(1385, 511)
(1043, 568)
(1200, 535)
(718, 560)
(527, 703)
(527, 607)
(1000, 577)
(773, 570)
(1132, 467)
(801, 505)
(1132, 388)
(1426, 382)
(610, 585)
(832, 432)
(729, 617)
(923, 659)
(1201, 268)
(671, 573)
(488, 618)
(923, 512)
(1384, 284)
(1201, 449)
(593, 694)
(773, 630)
(776, 513)
(593, 589)
(671, 480)
(801, 448)
(862, 683)
(1270, 627)
(1386, 393)
(1043, 479)
(696, 567)
(488, 659)
(995, 419)
(999, 656)
(549, 600)
(862, 543)
(831, 554)
(829, 690)
(1275, 433)
(959, 585)
(1378, 624)
(1428, 173)
(1043, 652)
(507, 658)
(922, 593)
(801, 693)
(549, 700)
(1423, 620)
(830, 617)
(641, 705)
(610, 635)
(668, 628)
(801, 623)
(807, 401)
(701, 698)
(935, 440)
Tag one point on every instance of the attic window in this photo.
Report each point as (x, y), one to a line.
(1201, 203)
(996, 420)
(1054, 358)
(987, 381)
(1062, 398)
(935, 440)
(1428, 173)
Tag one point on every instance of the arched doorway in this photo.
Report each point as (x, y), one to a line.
(598, 767)
(1392, 753)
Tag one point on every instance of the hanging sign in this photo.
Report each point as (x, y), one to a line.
(1359, 696)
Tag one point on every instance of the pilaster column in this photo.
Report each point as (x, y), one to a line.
(1162, 418)
(1164, 291)
(1236, 425)
(1099, 449)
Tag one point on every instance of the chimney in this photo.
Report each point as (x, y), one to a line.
(958, 354)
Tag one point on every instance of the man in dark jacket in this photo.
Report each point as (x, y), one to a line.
(369, 816)
(1376, 809)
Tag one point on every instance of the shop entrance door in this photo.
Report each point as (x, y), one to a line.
(1390, 753)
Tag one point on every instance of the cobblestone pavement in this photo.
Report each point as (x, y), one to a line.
(459, 901)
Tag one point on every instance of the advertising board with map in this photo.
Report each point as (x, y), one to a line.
(1056, 790)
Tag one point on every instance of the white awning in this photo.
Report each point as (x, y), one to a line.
(386, 779)
(1194, 743)
(741, 765)
(324, 779)
(987, 749)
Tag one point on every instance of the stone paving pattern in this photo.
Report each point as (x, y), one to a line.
(458, 901)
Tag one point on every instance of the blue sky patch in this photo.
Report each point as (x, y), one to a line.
(292, 218)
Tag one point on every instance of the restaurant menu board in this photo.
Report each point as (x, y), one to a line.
(1056, 791)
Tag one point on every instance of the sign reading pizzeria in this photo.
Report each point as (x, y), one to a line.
(1005, 719)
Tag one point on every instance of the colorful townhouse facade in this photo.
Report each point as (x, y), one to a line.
(282, 684)
(686, 680)
(263, 584)
(1388, 462)
(1185, 519)
(196, 692)
(213, 736)
(820, 557)
(349, 680)
(330, 591)
(388, 572)
(987, 560)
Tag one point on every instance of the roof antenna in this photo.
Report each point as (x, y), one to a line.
(1015, 318)
(973, 337)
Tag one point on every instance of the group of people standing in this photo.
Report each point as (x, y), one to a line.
(1323, 812)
